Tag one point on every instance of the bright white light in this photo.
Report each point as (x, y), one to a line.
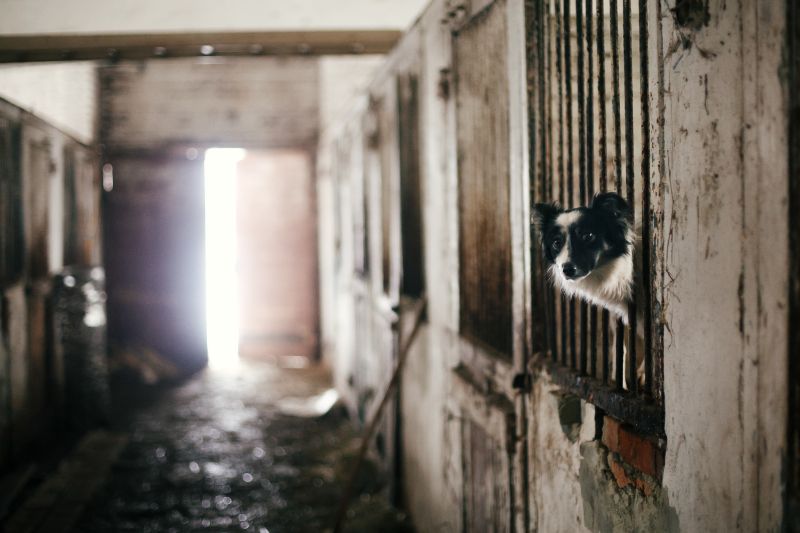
(222, 307)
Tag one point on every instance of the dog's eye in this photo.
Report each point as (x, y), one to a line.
(556, 244)
(588, 237)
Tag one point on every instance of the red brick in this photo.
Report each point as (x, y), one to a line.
(611, 433)
(640, 452)
(618, 471)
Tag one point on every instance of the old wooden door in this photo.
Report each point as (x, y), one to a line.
(490, 351)
(155, 254)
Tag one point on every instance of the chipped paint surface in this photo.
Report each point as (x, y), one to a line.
(719, 184)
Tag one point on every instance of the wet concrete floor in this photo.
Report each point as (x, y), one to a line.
(217, 454)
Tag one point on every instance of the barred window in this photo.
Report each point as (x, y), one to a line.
(590, 133)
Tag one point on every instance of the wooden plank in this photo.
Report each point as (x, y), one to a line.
(483, 146)
(80, 47)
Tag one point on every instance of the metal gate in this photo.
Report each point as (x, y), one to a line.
(590, 133)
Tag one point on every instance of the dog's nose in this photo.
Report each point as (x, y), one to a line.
(569, 270)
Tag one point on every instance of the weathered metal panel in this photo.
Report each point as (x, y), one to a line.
(155, 259)
(258, 102)
(480, 50)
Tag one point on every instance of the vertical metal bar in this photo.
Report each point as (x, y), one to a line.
(646, 243)
(547, 80)
(581, 158)
(543, 162)
(601, 93)
(562, 301)
(630, 178)
(605, 328)
(570, 161)
(616, 111)
(590, 165)
(619, 362)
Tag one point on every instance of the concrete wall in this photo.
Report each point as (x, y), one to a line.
(720, 181)
(254, 102)
(129, 16)
(63, 94)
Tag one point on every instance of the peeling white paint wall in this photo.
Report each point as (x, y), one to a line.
(727, 258)
(63, 94)
(340, 77)
(719, 165)
(22, 17)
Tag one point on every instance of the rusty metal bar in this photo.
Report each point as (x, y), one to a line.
(616, 111)
(646, 216)
(546, 80)
(601, 91)
(562, 302)
(570, 162)
(582, 170)
(645, 417)
(605, 329)
(542, 163)
(619, 364)
(590, 165)
(630, 177)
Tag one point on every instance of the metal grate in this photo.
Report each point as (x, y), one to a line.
(590, 133)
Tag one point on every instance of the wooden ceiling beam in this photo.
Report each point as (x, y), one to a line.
(75, 47)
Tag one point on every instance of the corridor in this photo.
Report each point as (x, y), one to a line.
(217, 453)
(536, 261)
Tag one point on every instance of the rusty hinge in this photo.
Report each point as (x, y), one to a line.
(522, 382)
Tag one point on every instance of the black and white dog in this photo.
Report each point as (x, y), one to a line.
(590, 250)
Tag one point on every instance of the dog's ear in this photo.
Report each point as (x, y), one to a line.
(613, 204)
(543, 215)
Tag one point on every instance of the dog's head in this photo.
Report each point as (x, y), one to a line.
(578, 241)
